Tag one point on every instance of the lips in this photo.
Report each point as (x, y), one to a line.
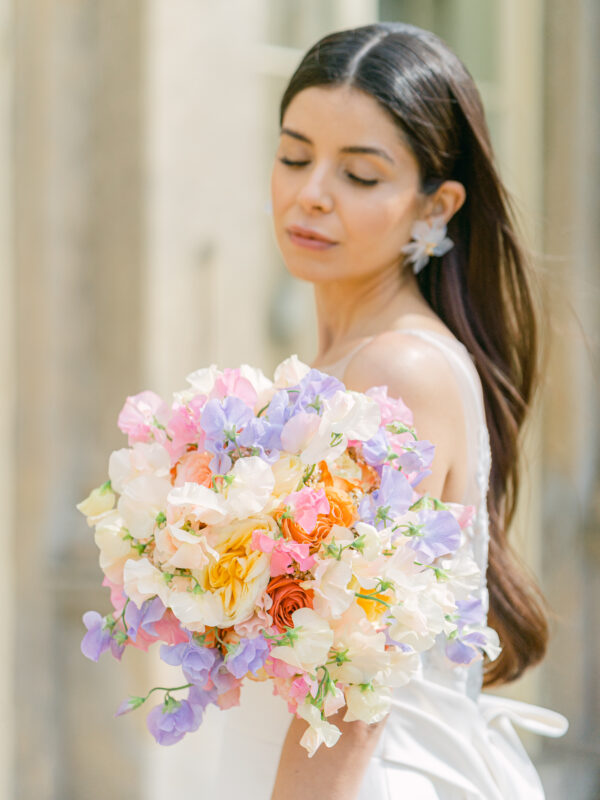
(308, 233)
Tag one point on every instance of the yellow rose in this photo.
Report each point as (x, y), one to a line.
(241, 574)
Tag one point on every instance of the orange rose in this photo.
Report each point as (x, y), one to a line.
(295, 531)
(341, 508)
(341, 512)
(287, 596)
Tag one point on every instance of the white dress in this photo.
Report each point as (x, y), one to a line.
(443, 739)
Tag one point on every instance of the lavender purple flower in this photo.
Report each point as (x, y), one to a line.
(248, 656)
(170, 721)
(196, 662)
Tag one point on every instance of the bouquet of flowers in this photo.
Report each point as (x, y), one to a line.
(271, 530)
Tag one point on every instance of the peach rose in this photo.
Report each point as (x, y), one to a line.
(287, 596)
(193, 468)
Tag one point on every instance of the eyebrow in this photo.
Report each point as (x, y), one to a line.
(351, 149)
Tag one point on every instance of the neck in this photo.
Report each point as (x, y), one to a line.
(367, 306)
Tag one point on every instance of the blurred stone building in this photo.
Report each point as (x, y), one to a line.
(136, 140)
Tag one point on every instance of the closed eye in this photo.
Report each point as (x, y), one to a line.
(361, 181)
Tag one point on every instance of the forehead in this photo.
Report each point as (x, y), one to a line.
(342, 114)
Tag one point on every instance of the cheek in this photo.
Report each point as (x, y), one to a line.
(383, 224)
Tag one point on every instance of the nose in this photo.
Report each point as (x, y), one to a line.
(315, 194)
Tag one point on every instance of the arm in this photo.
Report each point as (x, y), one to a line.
(339, 769)
(417, 372)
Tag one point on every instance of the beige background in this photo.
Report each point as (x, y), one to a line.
(135, 146)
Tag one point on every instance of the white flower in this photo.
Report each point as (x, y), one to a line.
(251, 488)
(142, 459)
(311, 646)
(369, 704)
(330, 586)
(141, 580)
(428, 240)
(260, 383)
(203, 380)
(97, 505)
(196, 611)
(142, 500)
(290, 372)
(346, 415)
(368, 658)
(319, 731)
(200, 503)
(114, 548)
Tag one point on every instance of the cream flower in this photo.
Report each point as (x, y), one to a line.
(319, 731)
(99, 501)
(141, 580)
(142, 459)
(313, 638)
(114, 548)
(330, 586)
(346, 415)
(238, 576)
(367, 704)
(142, 500)
(290, 372)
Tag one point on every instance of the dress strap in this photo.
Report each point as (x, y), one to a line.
(338, 367)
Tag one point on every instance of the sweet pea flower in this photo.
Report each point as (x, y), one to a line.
(196, 662)
(247, 656)
(143, 498)
(142, 581)
(283, 553)
(141, 417)
(391, 500)
(222, 421)
(185, 426)
(171, 720)
(416, 456)
(290, 372)
(99, 637)
(230, 383)
(306, 505)
(319, 731)
(440, 535)
(312, 638)
(392, 409)
(144, 617)
(369, 704)
(330, 586)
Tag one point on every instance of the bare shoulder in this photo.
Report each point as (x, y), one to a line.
(411, 367)
(418, 371)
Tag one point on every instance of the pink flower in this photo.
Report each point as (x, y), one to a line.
(185, 427)
(283, 551)
(139, 417)
(230, 698)
(277, 668)
(307, 504)
(231, 383)
(391, 408)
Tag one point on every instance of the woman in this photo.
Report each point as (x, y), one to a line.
(383, 138)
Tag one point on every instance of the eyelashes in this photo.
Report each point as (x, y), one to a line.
(355, 178)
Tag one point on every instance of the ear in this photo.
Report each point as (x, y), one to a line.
(445, 201)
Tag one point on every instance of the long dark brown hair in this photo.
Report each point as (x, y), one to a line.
(481, 288)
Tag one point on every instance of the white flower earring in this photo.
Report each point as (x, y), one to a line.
(428, 240)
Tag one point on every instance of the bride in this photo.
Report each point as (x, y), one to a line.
(386, 197)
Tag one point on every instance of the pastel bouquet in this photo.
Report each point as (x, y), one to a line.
(271, 530)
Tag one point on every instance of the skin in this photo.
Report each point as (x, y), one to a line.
(361, 289)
